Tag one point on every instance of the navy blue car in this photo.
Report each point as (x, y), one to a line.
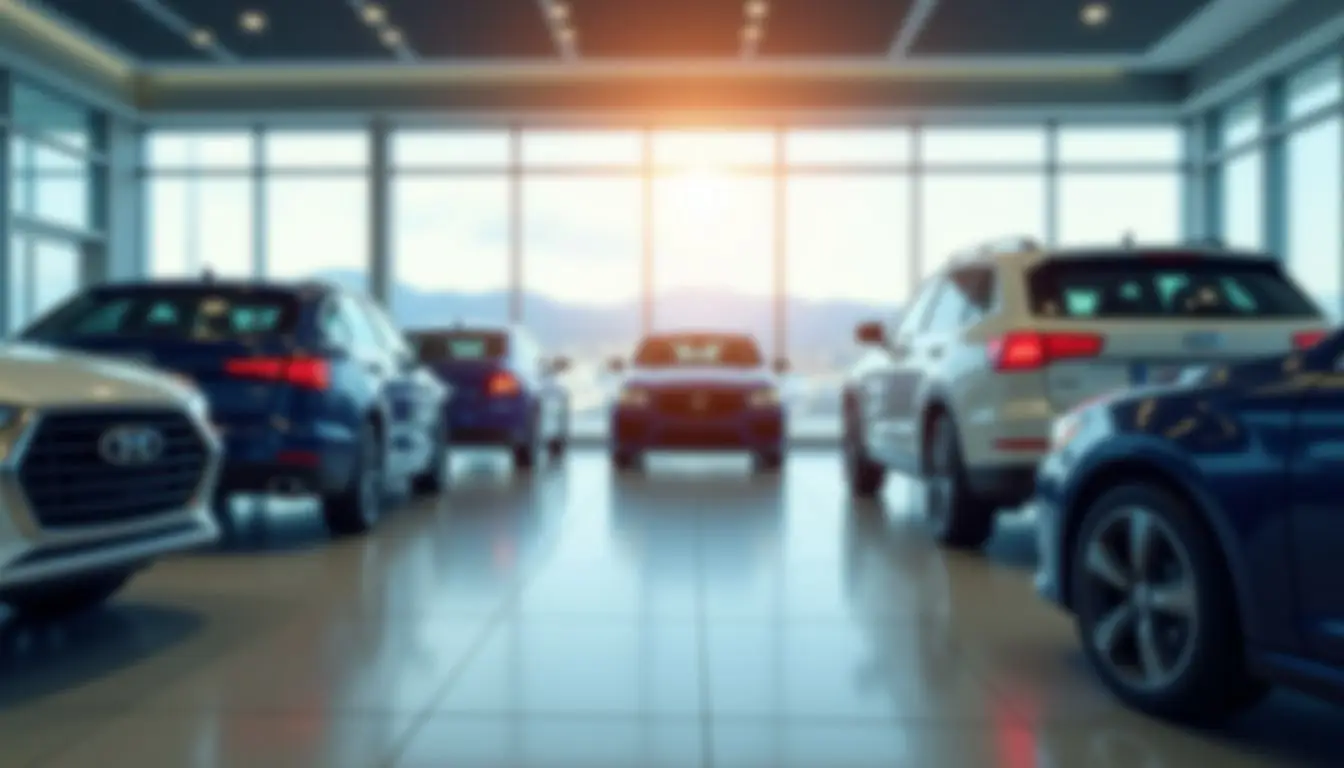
(1196, 532)
(698, 391)
(311, 388)
(506, 393)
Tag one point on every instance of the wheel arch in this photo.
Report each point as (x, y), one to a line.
(1118, 471)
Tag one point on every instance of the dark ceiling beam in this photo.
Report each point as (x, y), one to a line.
(180, 25)
(914, 22)
(374, 16)
(558, 16)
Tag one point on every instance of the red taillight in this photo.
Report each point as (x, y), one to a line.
(1308, 339)
(303, 372)
(502, 385)
(1028, 350)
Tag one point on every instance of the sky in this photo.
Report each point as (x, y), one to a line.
(848, 231)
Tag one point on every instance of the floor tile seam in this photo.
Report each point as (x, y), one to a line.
(509, 604)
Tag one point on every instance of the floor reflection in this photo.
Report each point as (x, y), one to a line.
(691, 615)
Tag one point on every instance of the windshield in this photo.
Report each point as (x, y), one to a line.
(460, 345)
(188, 314)
(699, 352)
(1139, 287)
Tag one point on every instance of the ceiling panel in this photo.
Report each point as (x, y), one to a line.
(125, 26)
(833, 27)
(474, 28)
(1044, 27)
(295, 29)
(658, 28)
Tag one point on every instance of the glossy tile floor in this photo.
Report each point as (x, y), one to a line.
(696, 616)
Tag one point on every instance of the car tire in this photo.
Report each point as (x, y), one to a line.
(357, 508)
(627, 461)
(436, 477)
(955, 516)
(559, 445)
(525, 455)
(864, 477)
(768, 462)
(1192, 668)
(65, 597)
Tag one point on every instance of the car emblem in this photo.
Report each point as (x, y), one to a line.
(700, 401)
(131, 445)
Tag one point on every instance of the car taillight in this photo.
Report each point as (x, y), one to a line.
(502, 385)
(302, 372)
(1308, 339)
(1029, 350)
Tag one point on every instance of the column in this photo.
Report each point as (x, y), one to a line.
(1051, 183)
(6, 205)
(125, 214)
(260, 207)
(1274, 180)
(647, 224)
(780, 213)
(380, 214)
(516, 265)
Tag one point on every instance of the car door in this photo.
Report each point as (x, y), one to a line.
(936, 366)
(415, 394)
(1316, 463)
(885, 386)
(385, 381)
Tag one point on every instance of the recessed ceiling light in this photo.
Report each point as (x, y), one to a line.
(751, 33)
(558, 11)
(391, 37)
(202, 38)
(757, 9)
(253, 22)
(1095, 14)
(373, 13)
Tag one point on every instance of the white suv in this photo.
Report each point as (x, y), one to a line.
(104, 466)
(963, 389)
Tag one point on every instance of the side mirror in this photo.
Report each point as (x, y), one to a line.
(782, 365)
(559, 364)
(870, 333)
(615, 365)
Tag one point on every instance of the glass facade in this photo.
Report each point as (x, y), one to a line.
(56, 220)
(1272, 174)
(593, 237)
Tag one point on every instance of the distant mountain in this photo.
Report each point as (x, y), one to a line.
(824, 326)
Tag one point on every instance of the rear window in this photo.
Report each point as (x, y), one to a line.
(461, 345)
(1138, 287)
(189, 314)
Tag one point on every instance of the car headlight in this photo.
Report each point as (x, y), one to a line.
(765, 397)
(633, 396)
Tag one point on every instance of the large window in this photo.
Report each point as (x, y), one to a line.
(1315, 232)
(848, 261)
(50, 184)
(1243, 198)
(1119, 144)
(316, 150)
(450, 250)
(200, 222)
(713, 260)
(42, 272)
(317, 227)
(415, 148)
(578, 149)
(52, 119)
(1104, 208)
(1017, 145)
(582, 278)
(1315, 88)
(963, 211)
(211, 151)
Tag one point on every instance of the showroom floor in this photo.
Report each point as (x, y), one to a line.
(696, 616)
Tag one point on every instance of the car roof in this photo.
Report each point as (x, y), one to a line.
(465, 327)
(240, 286)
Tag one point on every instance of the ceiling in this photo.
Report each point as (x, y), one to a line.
(166, 32)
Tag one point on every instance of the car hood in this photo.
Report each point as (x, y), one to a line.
(734, 378)
(35, 376)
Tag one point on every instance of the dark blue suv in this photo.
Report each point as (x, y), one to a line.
(311, 388)
(1196, 532)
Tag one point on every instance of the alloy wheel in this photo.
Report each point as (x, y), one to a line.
(371, 483)
(1139, 585)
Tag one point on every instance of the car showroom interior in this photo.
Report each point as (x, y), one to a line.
(724, 383)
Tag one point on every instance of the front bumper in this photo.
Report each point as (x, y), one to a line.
(758, 430)
(32, 552)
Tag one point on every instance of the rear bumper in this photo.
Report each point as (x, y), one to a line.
(319, 462)
(489, 422)
(758, 431)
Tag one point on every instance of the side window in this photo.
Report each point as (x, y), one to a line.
(364, 338)
(334, 326)
(976, 285)
(386, 332)
(949, 311)
(912, 321)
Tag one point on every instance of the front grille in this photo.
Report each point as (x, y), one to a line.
(69, 484)
(700, 403)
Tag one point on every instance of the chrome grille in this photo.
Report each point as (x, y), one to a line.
(69, 484)
(699, 402)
